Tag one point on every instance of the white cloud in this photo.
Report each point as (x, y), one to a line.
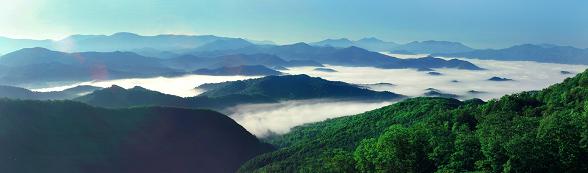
(182, 86)
(260, 119)
(526, 75)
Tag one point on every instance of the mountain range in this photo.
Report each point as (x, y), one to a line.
(123, 41)
(349, 56)
(416, 47)
(169, 46)
(40, 65)
(529, 52)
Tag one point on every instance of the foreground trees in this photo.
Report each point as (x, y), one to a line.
(537, 131)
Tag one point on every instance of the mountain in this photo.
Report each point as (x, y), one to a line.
(535, 131)
(432, 47)
(426, 63)
(244, 70)
(529, 52)
(499, 79)
(328, 70)
(8, 44)
(118, 97)
(35, 66)
(65, 136)
(371, 43)
(37, 55)
(374, 44)
(218, 96)
(341, 43)
(22, 93)
(432, 92)
(124, 41)
(293, 87)
(191, 62)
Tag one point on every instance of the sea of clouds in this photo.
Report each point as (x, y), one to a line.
(260, 119)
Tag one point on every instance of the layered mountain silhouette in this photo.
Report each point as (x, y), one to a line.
(38, 65)
(529, 52)
(168, 46)
(10, 44)
(416, 47)
(349, 56)
(65, 136)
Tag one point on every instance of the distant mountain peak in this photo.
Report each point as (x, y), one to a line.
(115, 87)
(36, 49)
(300, 44)
(35, 52)
(370, 39)
(139, 88)
(354, 47)
(125, 34)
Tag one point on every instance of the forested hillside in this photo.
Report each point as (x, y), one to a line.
(65, 136)
(535, 131)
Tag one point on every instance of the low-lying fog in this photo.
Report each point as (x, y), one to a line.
(183, 86)
(280, 117)
(260, 119)
(526, 76)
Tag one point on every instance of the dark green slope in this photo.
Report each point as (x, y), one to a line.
(537, 131)
(64, 136)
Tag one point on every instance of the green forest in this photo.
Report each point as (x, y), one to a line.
(534, 131)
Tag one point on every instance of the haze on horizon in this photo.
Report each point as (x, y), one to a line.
(478, 23)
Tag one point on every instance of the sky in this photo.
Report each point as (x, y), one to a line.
(477, 23)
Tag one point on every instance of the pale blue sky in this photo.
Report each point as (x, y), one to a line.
(479, 23)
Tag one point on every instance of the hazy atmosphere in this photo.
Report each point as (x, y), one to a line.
(225, 86)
